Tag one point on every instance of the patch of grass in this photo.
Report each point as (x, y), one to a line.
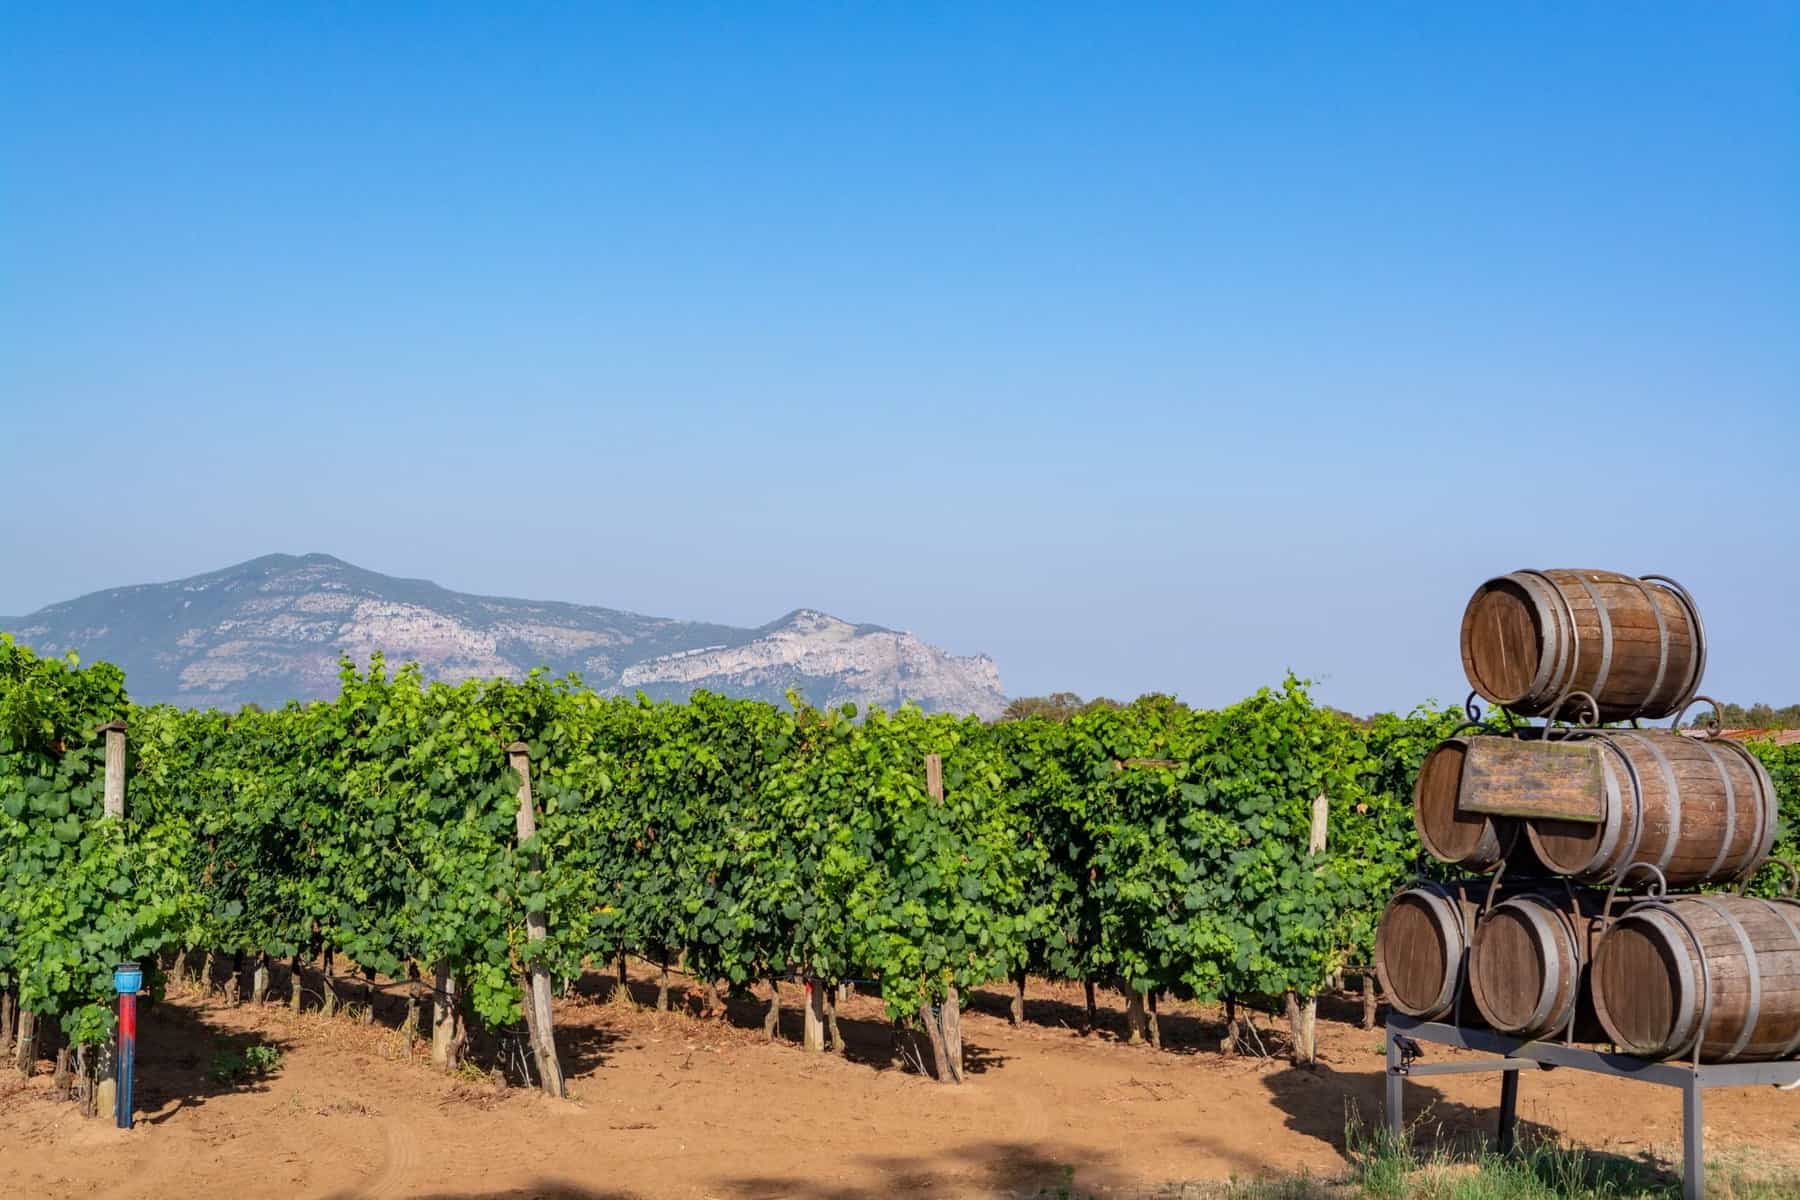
(1384, 1167)
(234, 1066)
(1389, 1168)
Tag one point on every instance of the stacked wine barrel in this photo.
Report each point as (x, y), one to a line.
(1542, 817)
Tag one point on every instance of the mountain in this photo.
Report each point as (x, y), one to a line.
(272, 629)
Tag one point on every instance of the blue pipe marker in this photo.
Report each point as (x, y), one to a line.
(128, 981)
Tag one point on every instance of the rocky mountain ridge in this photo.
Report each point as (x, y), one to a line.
(273, 629)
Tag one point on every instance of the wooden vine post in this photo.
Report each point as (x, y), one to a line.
(443, 1018)
(814, 1039)
(943, 1027)
(1303, 1014)
(113, 800)
(537, 999)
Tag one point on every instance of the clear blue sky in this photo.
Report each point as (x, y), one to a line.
(1147, 348)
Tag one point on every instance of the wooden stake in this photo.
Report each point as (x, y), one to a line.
(814, 1038)
(1093, 1007)
(536, 930)
(259, 982)
(1018, 998)
(443, 1018)
(1137, 1024)
(1228, 1045)
(1369, 1000)
(25, 1051)
(106, 1091)
(1304, 1016)
(946, 1031)
(114, 794)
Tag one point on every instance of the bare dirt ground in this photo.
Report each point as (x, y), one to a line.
(669, 1105)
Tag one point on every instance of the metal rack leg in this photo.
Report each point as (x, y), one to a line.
(1509, 1109)
(1693, 1141)
(1396, 1121)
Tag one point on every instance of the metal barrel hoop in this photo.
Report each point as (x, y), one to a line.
(1752, 974)
(1567, 919)
(1730, 813)
(1769, 800)
(1610, 840)
(1673, 786)
(1606, 641)
(1661, 904)
(1662, 649)
(1637, 806)
(1693, 611)
(1786, 907)
(1550, 671)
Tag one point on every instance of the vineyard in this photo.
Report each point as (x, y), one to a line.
(473, 837)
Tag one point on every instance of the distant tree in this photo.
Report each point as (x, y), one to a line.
(1060, 706)
(1757, 716)
(1057, 706)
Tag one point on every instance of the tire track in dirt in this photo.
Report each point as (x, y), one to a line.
(400, 1159)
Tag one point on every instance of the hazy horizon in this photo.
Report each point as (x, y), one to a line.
(1165, 352)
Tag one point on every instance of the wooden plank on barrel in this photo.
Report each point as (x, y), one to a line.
(1557, 781)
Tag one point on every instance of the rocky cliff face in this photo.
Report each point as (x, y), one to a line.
(272, 629)
(829, 662)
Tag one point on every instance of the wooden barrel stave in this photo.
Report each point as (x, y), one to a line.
(1531, 638)
(1721, 970)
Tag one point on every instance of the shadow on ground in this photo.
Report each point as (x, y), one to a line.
(183, 1060)
(872, 1043)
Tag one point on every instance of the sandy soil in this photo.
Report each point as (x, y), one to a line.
(666, 1104)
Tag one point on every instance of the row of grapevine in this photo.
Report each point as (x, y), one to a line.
(1153, 847)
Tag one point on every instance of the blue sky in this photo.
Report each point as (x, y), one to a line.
(1141, 348)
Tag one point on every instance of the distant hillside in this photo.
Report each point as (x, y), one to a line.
(272, 629)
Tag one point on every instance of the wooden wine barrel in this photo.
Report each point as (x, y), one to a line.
(1527, 960)
(1637, 646)
(1421, 943)
(1449, 834)
(1719, 971)
(1699, 809)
